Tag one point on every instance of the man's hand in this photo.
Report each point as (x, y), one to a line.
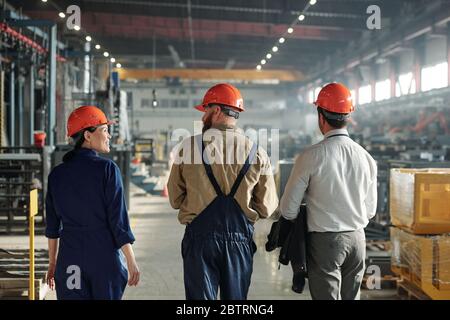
(50, 277)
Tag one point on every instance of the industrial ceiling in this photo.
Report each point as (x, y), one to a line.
(230, 34)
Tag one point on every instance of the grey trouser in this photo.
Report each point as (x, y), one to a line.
(335, 262)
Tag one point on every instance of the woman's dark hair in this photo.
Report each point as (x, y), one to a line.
(78, 139)
(340, 120)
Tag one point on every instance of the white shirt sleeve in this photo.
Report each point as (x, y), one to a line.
(296, 186)
(371, 199)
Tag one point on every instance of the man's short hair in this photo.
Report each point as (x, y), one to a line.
(335, 120)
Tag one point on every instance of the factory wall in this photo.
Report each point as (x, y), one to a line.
(148, 121)
(265, 108)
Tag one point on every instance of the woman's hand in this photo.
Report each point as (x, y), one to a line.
(51, 275)
(133, 273)
(133, 270)
(52, 253)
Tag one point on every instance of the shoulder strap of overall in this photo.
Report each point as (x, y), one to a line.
(208, 167)
(244, 170)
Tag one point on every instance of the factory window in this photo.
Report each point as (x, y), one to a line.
(406, 84)
(164, 103)
(183, 103)
(145, 103)
(435, 77)
(365, 94)
(383, 90)
(353, 94)
(311, 96)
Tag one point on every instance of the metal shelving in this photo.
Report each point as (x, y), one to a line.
(21, 169)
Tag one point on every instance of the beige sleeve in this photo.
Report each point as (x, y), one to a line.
(176, 186)
(265, 198)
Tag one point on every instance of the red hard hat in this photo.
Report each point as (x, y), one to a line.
(85, 117)
(335, 97)
(223, 93)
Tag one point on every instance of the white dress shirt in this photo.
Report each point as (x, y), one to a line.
(338, 180)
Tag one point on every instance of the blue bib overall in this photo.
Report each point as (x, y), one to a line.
(218, 246)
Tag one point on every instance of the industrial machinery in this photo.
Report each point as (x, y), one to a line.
(144, 150)
(21, 170)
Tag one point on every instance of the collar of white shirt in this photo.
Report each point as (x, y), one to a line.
(334, 132)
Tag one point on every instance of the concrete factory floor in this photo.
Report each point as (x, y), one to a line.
(158, 240)
(157, 248)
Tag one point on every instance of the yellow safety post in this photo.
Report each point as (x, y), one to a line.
(33, 212)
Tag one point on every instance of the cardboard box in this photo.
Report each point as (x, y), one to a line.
(420, 200)
(423, 260)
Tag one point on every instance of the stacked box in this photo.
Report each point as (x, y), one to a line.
(423, 261)
(420, 200)
(420, 212)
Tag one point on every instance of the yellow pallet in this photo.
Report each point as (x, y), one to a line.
(409, 291)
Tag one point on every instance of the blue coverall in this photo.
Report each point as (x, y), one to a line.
(218, 247)
(86, 210)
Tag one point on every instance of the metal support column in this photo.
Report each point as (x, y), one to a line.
(393, 74)
(87, 68)
(2, 105)
(32, 104)
(419, 59)
(11, 106)
(51, 90)
(373, 77)
(20, 107)
(448, 50)
(109, 86)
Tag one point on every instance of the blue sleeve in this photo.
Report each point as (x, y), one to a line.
(53, 221)
(116, 207)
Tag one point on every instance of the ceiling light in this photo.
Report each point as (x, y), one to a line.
(113, 60)
(77, 28)
(97, 46)
(312, 2)
(263, 61)
(275, 49)
(44, 0)
(290, 30)
(62, 15)
(281, 40)
(269, 55)
(88, 38)
(301, 17)
(118, 66)
(258, 67)
(106, 54)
